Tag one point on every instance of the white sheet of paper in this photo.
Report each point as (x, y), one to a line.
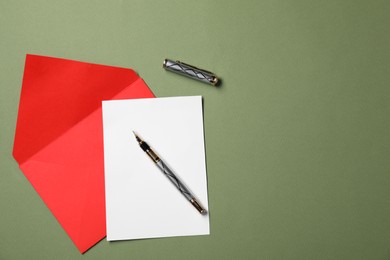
(141, 202)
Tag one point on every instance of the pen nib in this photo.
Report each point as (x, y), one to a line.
(137, 137)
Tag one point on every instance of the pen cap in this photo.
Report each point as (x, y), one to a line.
(190, 71)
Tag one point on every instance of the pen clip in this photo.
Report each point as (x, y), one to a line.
(202, 70)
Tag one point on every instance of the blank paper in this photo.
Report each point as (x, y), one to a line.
(141, 202)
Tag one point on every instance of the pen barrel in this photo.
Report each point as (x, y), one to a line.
(175, 180)
(180, 186)
(190, 71)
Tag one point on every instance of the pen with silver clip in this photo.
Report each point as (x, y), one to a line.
(171, 176)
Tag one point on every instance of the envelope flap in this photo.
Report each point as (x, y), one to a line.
(58, 93)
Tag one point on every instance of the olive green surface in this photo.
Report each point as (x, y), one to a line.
(297, 136)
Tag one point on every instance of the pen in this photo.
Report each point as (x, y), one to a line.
(191, 71)
(169, 173)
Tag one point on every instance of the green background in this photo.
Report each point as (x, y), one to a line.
(297, 136)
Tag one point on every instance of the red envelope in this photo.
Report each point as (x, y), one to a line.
(59, 138)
